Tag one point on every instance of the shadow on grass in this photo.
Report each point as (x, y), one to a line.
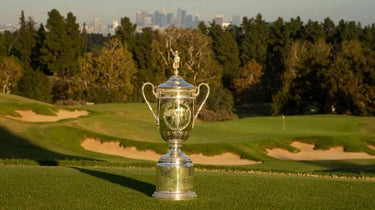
(13, 146)
(140, 186)
(346, 167)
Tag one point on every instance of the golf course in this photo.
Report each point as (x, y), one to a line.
(103, 156)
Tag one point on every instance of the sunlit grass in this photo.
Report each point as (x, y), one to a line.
(133, 125)
(35, 187)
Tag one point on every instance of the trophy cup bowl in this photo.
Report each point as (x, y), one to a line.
(175, 117)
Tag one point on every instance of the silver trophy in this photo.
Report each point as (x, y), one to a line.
(175, 117)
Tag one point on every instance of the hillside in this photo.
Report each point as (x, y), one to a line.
(132, 126)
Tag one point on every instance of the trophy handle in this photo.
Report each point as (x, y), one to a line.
(204, 101)
(148, 103)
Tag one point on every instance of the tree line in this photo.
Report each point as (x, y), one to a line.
(296, 67)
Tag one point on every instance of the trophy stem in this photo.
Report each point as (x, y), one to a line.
(175, 148)
(175, 172)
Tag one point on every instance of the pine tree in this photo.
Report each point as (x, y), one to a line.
(226, 52)
(25, 43)
(56, 47)
(126, 33)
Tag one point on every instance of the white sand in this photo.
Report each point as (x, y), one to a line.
(114, 148)
(307, 152)
(30, 116)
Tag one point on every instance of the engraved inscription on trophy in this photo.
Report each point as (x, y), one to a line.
(165, 172)
(176, 116)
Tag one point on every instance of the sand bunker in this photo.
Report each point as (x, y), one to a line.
(307, 152)
(114, 148)
(371, 146)
(30, 116)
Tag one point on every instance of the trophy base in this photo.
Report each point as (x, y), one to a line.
(174, 195)
(175, 172)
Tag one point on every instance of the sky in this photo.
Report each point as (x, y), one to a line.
(362, 11)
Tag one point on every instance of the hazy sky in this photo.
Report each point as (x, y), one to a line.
(107, 10)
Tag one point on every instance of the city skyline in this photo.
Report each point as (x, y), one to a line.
(107, 11)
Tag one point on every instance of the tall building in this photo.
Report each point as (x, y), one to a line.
(147, 21)
(163, 19)
(156, 20)
(181, 16)
(139, 18)
(189, 21)
(96, 23)
(195, 21)
(219, 19)
(236, 20)
(171, 20)
(164, 10)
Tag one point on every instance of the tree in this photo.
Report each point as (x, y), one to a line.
(25, 37)
(60, 46)
(34, 84)
(303, 79)
(253, 40)
(3, 50)
(351, 81)
(202, 27)
(294, 29)
(7, 42)
(313, 31)
(197, 62)
(346, 31)
(329, 30)
(125, 32)
(197, 65)
(368, 37)
(36, 56)
(53, 51)
(226, 52)
(144, 47)
(84, 82)
(76, 41)
(10, 72)
(278, 45)
(108, 77)
(148, 70)
(95, 42)
(250, 75)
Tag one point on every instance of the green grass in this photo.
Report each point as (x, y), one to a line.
(133, 125)
(35, 187)
(43, 166)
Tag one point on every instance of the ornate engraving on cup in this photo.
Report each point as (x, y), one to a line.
(176, 116)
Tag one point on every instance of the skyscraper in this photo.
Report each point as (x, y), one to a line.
(219, 19)
(162, 19)
(171, 20)
(236, 21)
(139, 18)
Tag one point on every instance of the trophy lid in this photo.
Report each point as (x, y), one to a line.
(176, 81)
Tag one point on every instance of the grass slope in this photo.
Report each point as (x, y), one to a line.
(133, 125)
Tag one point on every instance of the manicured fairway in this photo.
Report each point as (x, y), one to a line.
(36, 187)
(43, 165)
